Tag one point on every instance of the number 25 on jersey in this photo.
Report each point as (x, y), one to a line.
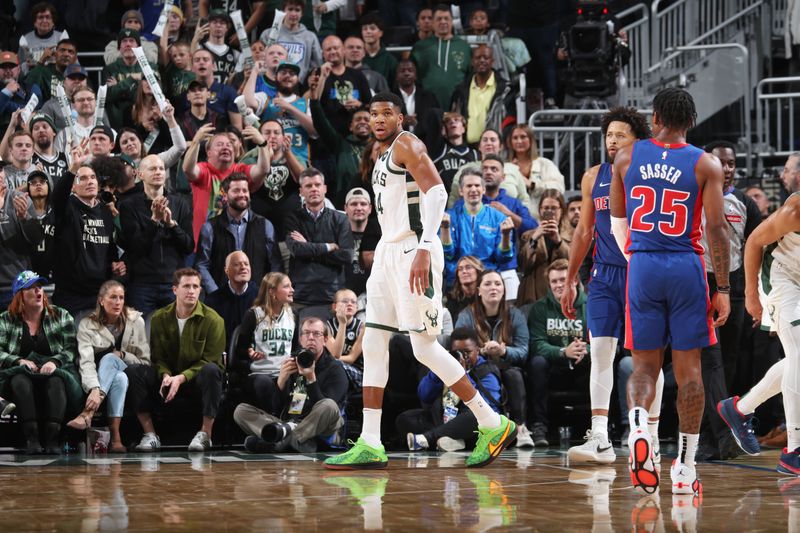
(673, 214)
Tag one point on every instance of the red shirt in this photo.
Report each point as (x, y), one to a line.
(206, 190)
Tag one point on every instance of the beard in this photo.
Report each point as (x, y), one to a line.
(44, 144)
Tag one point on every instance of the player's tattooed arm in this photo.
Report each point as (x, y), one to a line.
(710, 168)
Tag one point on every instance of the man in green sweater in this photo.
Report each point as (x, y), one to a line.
(558, 353)
(378, 58)
(442, 59)
(186, 343)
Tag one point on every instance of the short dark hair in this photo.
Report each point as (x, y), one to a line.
(574, 198)
(464, 334)
(441, 7)
(182, 273)
(675, 108)
(299, 3)
(309, 173)
(41, 7)
(234, 176)
(493, 157)
(387, 97)
(373, 17)
(713, 145)
(631, 117)
(109, 169)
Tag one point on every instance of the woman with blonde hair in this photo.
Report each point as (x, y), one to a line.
(109, 339)
(266, 337)
(539, 172)
(541, 246)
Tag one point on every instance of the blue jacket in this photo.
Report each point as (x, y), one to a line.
(517, 349)
(479, 236)
(430, 387)
(10, 102)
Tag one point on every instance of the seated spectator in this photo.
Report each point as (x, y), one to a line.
(40, 210)
(75, 77)
(126, 65)
(44, 75)
(320, 243)
(199, 114)
(301, 44)
(472, 228)
(758, 195)
(354, 53)
(232, 299)
(442, 59)
(223, 96)
(157, 233)
(503, 340)
(84, 106)
(37, 363)
(101, 141)
(485, 99)
(176, 60)
(456, 152)
(278, 196)
(236, 228)
(206, 177)
(131, 20)
(84, 235)
(115, 335)
(540, 247)
(20, 145)
(36, 47)
(345, 335)
(479, 25)
(344, 90)
(266, 338)
(445, 423)
(186, 343)
(558, 346)
(420, 103)
(514, 184)
(346, 151)
(465, 286)
(311, 395)
(539, 172)
(14, 94)
(20, 235)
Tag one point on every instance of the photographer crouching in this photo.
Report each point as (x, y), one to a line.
(312, 389)
(446, 423)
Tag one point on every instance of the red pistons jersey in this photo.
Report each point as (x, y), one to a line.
(662, 199)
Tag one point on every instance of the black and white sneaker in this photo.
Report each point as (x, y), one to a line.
(596, 449)
(149, 443)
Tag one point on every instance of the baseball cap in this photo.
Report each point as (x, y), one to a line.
(39, 117)
(357, 193)
(132, 14)
(75, 70)
(220, 14)
(25, 280)
(38, 174)
(125, 158)
(125, 33)
(9, 58)
(289, 65)
(105, 130)
(197, 83)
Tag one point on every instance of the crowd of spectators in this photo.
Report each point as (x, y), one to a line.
(144, 235)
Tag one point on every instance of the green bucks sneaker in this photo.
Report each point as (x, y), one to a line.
(491, 442)
(360, 456)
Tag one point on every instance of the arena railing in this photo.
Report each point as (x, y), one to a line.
(632, 82)
(777, 101)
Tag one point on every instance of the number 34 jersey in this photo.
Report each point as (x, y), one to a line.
(397, 198)
(662, 199)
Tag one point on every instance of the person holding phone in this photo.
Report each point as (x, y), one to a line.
(541, 246)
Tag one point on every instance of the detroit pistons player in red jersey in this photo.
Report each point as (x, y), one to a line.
(660, 188)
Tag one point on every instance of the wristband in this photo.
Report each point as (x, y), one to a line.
(262, 145)
(724, 289)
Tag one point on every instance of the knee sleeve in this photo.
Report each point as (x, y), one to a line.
(376, 357)
(431, 354)
(601, 373)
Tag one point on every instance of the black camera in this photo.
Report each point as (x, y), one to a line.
(107, 197)
(459, 355)
(304, 358)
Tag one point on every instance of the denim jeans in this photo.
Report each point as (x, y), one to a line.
(146, 298)
(113, 382)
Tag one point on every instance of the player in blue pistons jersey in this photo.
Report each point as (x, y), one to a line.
(605, 304)
(659, 189)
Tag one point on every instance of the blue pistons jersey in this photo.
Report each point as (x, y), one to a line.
(606, 251)
(662, 199)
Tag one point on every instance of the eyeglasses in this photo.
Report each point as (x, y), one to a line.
(85, 99)
(312, 334)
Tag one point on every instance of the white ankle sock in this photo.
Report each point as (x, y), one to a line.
(371, 430)
(687, 446)
(487, 418)
(600, 426)
(652, 428)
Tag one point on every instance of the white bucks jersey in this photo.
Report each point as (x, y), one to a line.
(787, 253)
(273, 340)
(396, 198)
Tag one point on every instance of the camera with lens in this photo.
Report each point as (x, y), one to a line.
(595, 51)
(304, 358)
(107, 197)
(459, 355)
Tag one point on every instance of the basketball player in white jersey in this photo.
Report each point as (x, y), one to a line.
(783, 303)
(404, 289)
